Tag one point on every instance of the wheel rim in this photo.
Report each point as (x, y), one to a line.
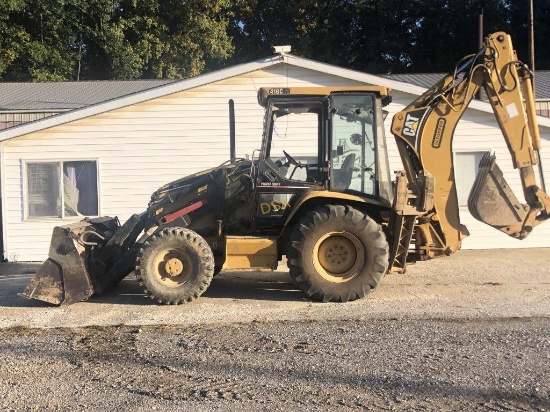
(338, 256)
(172, 267)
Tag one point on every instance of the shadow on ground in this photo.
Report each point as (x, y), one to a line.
(268, 286)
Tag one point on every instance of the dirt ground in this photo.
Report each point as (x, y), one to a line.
(469, 284)
(468, 332)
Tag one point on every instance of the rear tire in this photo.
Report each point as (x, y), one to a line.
(337, 254)
(174, 266)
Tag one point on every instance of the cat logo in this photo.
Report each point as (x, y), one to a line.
(409, 129)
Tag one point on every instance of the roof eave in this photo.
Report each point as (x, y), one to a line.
(383, 81)
(354, 75)
(223, 74)
(138, 97)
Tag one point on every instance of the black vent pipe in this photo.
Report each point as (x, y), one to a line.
(232, 152)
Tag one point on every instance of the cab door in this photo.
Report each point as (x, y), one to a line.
(293, 160)
(358, 152)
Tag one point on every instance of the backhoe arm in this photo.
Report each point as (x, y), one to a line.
(424, 133)
(519, 126)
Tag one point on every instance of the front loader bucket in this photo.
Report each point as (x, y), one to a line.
(491, 200)
(64, 277)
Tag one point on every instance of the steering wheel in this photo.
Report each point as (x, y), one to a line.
(292, 161)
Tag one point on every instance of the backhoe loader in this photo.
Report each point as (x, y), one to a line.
(330, 206)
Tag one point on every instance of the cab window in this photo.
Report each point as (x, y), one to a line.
(293, 144)
(353, 157)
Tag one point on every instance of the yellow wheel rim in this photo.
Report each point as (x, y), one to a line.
(338, 256)
(172, 267)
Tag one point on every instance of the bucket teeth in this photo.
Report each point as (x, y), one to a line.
(491, 200)
(47, 284)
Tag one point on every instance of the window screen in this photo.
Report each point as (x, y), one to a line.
(43, 189)
(72, 184)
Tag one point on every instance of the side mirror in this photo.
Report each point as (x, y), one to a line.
(339, 150)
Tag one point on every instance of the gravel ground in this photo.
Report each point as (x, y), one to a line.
(470, 284)
(469, 332)
(498, 365)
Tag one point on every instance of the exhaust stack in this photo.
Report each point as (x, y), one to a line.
(232, 143)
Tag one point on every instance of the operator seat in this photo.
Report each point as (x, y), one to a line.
(342, 176)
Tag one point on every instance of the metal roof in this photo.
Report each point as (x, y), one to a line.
(62, 96)
(427, 80)
(542, 84)
(181, 85)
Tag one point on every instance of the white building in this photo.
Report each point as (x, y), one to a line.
(26, 102)
(124, 149)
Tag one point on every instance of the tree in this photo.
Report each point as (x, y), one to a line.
(36, 39)
(448, 31)
(12, 36)
(383, 36)
(153, 38)
(106, 39)
(314, 28)
(129, 39)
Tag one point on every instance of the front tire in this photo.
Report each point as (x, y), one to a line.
(175, 265)
(337, 254)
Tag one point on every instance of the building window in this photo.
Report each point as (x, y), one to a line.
(466, 167)
(71, 184)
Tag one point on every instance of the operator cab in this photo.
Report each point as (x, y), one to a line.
(324, 139)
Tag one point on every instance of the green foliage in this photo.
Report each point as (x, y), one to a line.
(127, 39)
(385, 36)
(106, 39)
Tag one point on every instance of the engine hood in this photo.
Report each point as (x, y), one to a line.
(183, 185)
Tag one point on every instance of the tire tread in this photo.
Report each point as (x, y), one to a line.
(188, 294)
(366, 226)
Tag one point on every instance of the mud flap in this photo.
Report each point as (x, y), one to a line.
(491, 200)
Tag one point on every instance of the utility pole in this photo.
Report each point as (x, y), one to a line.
(481, 27)
(532, 42)
(480, 41)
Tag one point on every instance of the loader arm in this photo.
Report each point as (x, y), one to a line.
(424, 133)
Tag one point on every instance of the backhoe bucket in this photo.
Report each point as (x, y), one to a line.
(491, 200)
(64, 278)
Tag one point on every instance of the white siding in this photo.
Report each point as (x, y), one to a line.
(143, 146)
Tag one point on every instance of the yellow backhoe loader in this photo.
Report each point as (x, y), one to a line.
(330, 206)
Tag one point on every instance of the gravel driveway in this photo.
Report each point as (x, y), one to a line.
(469, 332)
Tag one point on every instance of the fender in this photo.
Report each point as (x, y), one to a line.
(331, 198)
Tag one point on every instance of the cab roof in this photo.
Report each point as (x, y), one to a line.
(266, 92)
